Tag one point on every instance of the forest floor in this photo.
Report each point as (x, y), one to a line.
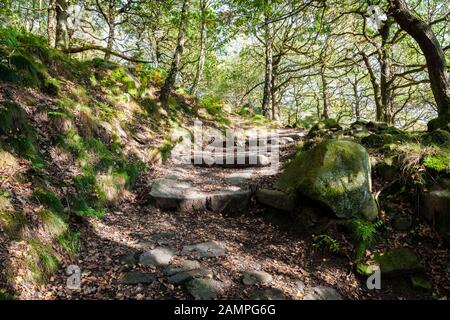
(258, 240)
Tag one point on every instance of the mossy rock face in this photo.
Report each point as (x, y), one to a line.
(376, 126)
(438, 137)
(435, 208)
(377, 140)
(398, 262)
(387, 169)
(325, 125)
(335, 173)
(441, 122)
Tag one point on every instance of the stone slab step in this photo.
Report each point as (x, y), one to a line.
(245, 160)
(170, 194)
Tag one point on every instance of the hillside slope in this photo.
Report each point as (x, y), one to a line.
(75, 138)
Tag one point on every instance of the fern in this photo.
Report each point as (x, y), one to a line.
(364, 234)
(328, 242)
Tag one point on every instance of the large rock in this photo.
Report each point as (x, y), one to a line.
(323, 293)
(335, 173)
(205, 289)
(156, 257)
(275, 199)
(251, 278)
(137, 277)
(208, 249)
(435, 207)
(398, 262)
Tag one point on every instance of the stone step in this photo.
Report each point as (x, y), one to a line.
(255, 141)
(170, 194)
(242, 160)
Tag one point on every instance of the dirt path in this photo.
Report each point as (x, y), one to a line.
(139, 251)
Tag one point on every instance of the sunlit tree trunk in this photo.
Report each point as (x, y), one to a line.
(111, 36)
(51, 23)
(267, 93)
(62, 28)
(170, 81)
(203, 35)
(325, 111)
(386, 74)
(434, 55)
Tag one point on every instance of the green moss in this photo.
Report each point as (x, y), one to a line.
(71, 243)
(18, 135)
(421, 282)
(7, 74)
(437, 137)
(53, 223)
(438, 162)
(166, 150)
(49, 199)
(4, 295)
(398, 262)
(27, 70)
(42, 260)
(336, 173)
(441, 122)
(10, 220)
(376, 140)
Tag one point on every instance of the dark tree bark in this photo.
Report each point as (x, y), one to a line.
(434, 55)
(173, 73)
(203, 37)
(376, 88)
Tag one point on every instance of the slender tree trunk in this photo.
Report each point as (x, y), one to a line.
(376, 88)
(62, 28)
(269, 68)
(386, 74)
(325, 111)
(171, 78)
(51, 23)
(111, 36)
(202, 59)
(356, 111)
(434, 55)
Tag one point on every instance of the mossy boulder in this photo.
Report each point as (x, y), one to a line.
(438, 137)
(335, 173)
(398, 262)
(377, 140)
(387, 169)
(376, 126)
(441, 122)
(325, 125)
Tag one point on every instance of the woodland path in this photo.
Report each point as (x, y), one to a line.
(201, 235)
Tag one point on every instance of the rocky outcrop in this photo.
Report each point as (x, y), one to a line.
(335, 173)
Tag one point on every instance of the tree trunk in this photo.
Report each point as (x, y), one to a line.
(111, 36)
(202, 59)
(434, 55)
(269, 69)
(376, 88)
(356, 111)
(173, 73)
(62, 28)
(325, 111)
(386, 74)
(51, 23)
